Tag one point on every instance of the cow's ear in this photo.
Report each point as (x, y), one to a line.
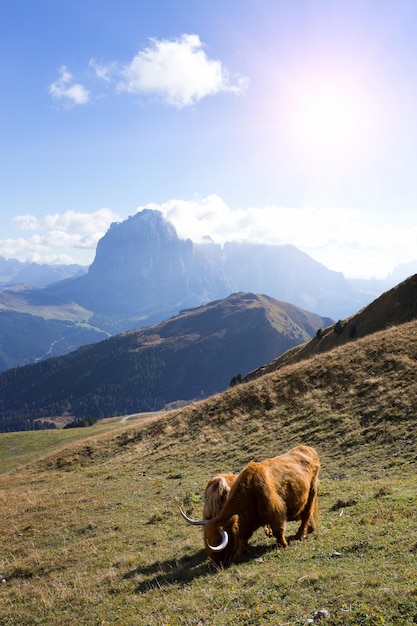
(233, 525)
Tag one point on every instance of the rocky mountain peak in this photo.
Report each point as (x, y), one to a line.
(142, 268)
(135, 243)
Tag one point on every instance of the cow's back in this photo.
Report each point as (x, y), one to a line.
(288, 478)
(293, 477)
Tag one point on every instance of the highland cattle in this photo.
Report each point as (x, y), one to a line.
(270, 493)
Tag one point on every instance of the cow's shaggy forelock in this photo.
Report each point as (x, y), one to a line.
(216, 494)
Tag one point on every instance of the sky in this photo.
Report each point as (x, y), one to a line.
(272, 121)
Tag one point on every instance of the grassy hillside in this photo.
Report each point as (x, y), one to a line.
(396, 306)
(23, 299)
(90, 533)
(21, 448)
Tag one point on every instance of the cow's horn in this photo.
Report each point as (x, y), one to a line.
(223, 544)
(201, 522)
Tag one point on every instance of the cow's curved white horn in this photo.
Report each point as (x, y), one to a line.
(223, 544)
(201, 522)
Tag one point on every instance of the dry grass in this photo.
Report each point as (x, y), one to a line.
(90, 534)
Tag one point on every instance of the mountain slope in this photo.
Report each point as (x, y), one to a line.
(359, 394)
(396, 306)
(28, 338)
(192, 355)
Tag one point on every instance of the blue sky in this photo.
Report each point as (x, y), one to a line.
(256, 120)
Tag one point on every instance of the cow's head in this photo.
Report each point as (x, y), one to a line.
(221, 540)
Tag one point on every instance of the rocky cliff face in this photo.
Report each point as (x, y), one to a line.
(143, 270)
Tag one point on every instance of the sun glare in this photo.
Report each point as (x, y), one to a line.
(330, 120)
(327, 117)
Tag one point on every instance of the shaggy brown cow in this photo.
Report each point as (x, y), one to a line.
(268, 493)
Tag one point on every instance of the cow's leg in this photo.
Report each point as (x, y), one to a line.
(243, 547)
(280, 537)
(278, 526)
(312, 524)
(302, 531)
(276, 520)
(309, 515)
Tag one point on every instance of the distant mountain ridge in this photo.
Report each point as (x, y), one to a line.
(14, 272)
(143, 273)
(192, 355)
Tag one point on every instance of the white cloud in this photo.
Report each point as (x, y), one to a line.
(20, 248)
(69, 237)
(103, 71)
(212, 217)
(75, 222)
(196, 219)
(64, 89)
(26, 222)
(177, 71)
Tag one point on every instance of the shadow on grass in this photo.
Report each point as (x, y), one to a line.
(171, 572)
(183, 571)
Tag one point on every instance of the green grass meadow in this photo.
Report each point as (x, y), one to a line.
(91, 534)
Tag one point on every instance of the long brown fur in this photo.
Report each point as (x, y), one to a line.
(268, 493)
(216, 493)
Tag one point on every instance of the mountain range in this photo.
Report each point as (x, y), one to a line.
(14, 272)
(142, 274)
(190, 356)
